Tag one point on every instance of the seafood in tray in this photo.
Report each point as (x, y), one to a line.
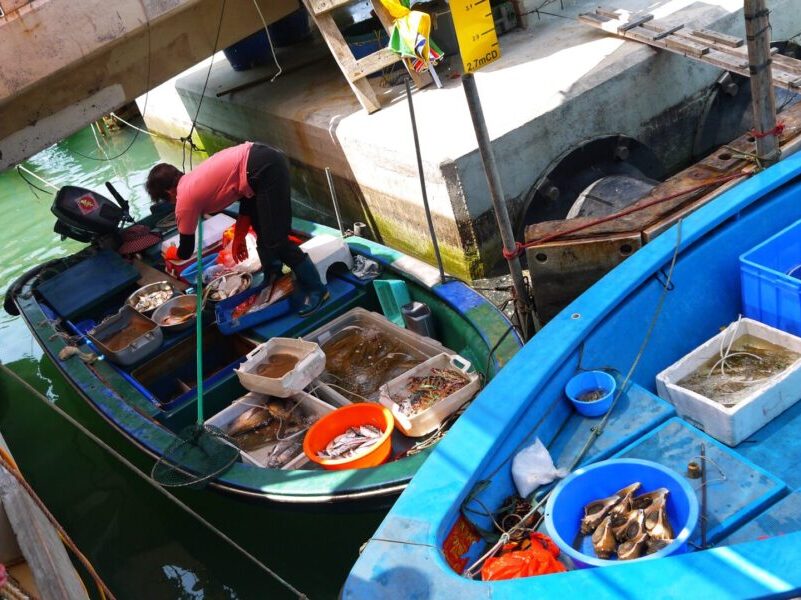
(280, 289)
(228, 285)
(148, 298)
(628, 525)
(268, 421)
(424, 391)
(356, 440)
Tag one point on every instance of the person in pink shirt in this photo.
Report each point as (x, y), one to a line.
(257, 176)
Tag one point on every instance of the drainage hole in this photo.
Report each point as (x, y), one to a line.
(541, 257)
(626, 249)
(724, 156)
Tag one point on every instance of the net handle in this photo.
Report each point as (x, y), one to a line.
(199, 320)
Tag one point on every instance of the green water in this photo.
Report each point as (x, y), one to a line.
(142, 545)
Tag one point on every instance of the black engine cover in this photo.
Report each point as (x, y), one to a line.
(84, 213)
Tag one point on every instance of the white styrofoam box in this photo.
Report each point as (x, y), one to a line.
(213, 229)
(324, 250)
(311, 362)
(307, 403)
(733, 424)
(428, 420)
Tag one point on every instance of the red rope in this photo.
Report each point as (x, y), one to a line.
(520, 248)
(777, 131)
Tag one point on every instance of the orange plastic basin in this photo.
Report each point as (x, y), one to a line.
(337, 422)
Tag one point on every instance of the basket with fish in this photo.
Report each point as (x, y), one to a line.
(227, 285)
(422, 398)
(358, 436)
(622, 509)
(269, 431)
(176, 314)
(281, 366)
(255, 305)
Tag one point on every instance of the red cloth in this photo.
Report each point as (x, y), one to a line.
(212, 186)
(539, 559)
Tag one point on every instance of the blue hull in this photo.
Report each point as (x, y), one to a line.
(754, 518)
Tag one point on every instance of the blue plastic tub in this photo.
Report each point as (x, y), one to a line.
(770, 274)
(589, 381)
(365, 37)
(225, 308)
(565, 507)
(189, 274)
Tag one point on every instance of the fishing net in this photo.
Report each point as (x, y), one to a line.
(201, 452)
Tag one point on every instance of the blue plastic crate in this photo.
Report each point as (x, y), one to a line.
(392, 295)
(771, 293)
(228, 324)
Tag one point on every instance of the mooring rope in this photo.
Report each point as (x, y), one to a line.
(37, 394)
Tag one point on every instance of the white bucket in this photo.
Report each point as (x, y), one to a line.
(311, 362)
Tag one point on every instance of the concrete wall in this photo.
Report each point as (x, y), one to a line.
(558, 83)
(66, 63)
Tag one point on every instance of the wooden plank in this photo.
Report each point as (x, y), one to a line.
(721, 38)
(372, 63)
(685, 45)
(661, 31)
(593, 19)
(55, 576)
(635, 23)
(611, 13)
(344, 57)
(320, 7)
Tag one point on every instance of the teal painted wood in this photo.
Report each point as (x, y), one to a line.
(608, 323)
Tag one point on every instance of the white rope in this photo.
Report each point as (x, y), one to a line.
(32, 174)
(269, 40)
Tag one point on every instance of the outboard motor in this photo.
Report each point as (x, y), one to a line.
(84, 215)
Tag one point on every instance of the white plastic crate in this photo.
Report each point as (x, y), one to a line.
(734, 424)
(311, 362)
(308, 405)
(428, 420)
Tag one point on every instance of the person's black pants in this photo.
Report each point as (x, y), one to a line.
(270, 210)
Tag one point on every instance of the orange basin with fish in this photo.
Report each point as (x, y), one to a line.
(338, 422)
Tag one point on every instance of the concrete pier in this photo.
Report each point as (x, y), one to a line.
(558, 84)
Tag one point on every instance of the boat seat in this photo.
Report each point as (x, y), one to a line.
(736, 496)
(637, 412)
(783, 517)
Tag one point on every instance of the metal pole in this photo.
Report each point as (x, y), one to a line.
(423, 182)
(522, 306)
(333, 192)
(757, 29)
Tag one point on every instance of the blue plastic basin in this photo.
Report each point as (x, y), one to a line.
(589, 381)
(565, 507)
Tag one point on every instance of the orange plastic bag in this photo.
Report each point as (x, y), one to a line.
(538, 559)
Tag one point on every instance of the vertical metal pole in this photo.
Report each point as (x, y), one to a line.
(757, 29)
(333, 192)
(423, 181)
(522, 305)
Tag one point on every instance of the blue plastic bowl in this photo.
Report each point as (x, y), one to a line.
(589, 381)
(565, 507)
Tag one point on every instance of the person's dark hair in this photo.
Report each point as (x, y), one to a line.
(162, 177)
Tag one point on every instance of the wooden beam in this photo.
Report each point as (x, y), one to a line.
(55, 576)
(757, 28)
(720, 38)
(320, 7)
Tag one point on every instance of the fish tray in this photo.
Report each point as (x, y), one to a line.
(430, 419)
(309, 405)
(228, 324)
(139, 348)
(311, 362)
(733, 424)
(359, 317)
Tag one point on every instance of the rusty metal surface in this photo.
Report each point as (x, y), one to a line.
(561, 271)
(577, 260)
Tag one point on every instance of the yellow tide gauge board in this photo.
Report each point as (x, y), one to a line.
(475, 31)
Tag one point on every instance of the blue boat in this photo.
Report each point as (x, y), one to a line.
(652, 310)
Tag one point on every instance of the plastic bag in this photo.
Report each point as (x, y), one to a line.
(540, 558)
(533, 467)
(250, 265)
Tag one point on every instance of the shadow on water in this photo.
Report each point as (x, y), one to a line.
(143, 545)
